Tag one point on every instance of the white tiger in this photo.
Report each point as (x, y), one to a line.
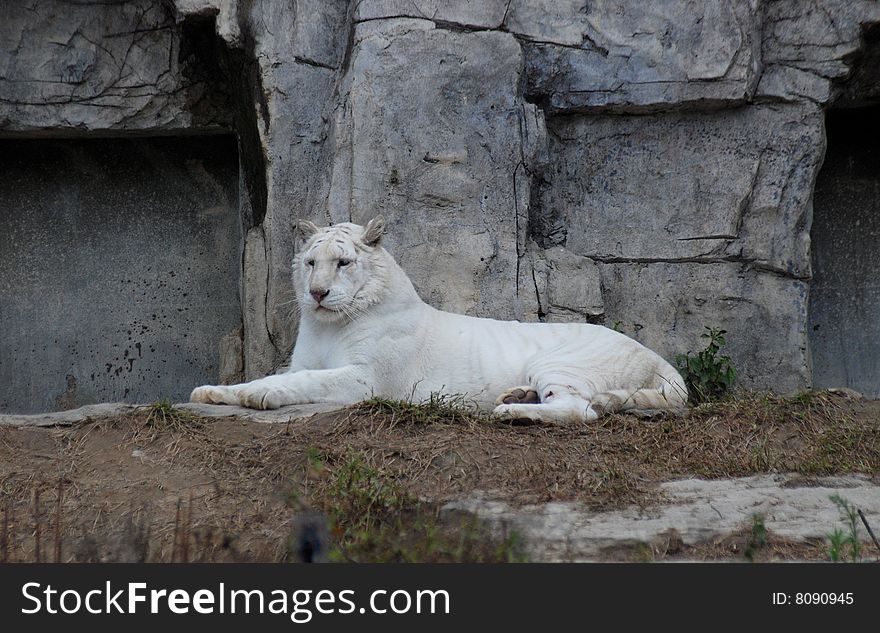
(363, 332)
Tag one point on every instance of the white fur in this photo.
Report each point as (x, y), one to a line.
(373, 336)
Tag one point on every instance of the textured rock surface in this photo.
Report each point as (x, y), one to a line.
(485, 14)
(109, 409)
(730, 184)
(446, 166)
(569, 287)
(698, 512)
(88, 67)
(764, 314)
(295, 50)
(810, 45)
(816, 35)
(639, 56)
(715, 205)
(650, 164)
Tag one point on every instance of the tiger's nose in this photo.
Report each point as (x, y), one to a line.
(319, 295)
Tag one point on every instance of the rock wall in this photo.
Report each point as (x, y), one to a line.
(649, 165)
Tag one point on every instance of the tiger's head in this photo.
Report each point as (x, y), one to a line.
(338, 271)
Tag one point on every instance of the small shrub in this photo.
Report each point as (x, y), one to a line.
(708, 374)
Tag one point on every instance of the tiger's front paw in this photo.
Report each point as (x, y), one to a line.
(211, 394)
(264, 397)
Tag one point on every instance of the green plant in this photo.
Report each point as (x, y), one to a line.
(839, 540)
(757, 537)
(510, 549)
(644, 553)
(836, 544)
(314, 458)
(708, 374)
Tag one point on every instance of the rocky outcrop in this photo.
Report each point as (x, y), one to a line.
(448, 166)
(639, 56)
(809, 45)
(698, 512)
(693, 218)
(649, 165)
(81, 68)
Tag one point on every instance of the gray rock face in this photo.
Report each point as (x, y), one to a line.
(762, 313)
(638, 56)
(816, 36)
(810, 45)
(785, 83)
(71, 67)
(645, 164)
(484, 14)
(712, 204)
(679, 187)
(446, 166)
(569, 287)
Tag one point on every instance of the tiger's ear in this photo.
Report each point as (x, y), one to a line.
(374, 231)
(304, 229)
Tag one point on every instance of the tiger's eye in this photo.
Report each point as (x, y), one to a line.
(344, 262)
(310, 262)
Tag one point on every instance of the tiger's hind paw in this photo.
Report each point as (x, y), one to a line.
(518, 395)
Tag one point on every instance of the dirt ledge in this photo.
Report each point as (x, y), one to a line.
(623, 488)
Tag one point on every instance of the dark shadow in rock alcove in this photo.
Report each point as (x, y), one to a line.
(119, 268)
(845, 291)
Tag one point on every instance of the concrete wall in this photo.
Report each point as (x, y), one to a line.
(120, 266)
(646, 164)
(845, 290)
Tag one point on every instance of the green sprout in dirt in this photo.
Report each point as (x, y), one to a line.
(709, 375)
(757, 537)
(843, 542)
